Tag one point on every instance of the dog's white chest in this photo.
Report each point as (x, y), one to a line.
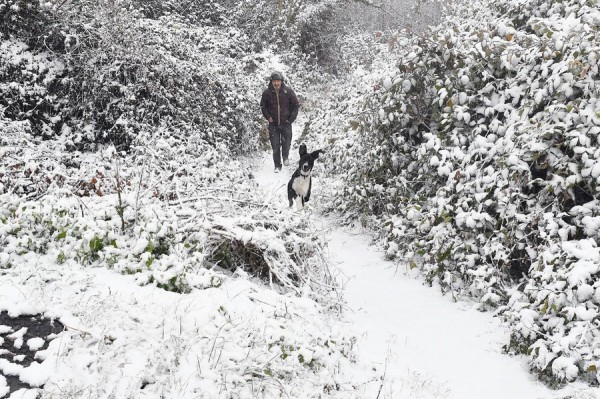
(301, 184)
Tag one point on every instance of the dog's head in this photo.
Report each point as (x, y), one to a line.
(307, 160)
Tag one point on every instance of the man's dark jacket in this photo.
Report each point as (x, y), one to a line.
(282, 106)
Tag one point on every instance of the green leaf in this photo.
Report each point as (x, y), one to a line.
(61, 258)
(412, 264)
(445, 254)
(150, 247)
(96, 244)
(544, 308)
(61, 235)
(112, 260)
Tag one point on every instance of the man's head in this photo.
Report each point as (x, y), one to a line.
(276, 79)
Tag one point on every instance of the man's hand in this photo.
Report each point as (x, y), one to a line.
(270, 120)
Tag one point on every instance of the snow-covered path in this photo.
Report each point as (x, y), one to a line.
(430, 347)
(427, 345)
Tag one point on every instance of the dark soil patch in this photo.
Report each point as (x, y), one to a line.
(37, 326)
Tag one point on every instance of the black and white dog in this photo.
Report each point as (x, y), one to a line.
(300, 183)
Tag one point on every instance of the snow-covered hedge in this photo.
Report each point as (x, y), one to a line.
(479, 164)
(104, 72)
(101, 72)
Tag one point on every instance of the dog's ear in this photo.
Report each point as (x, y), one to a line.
(303, 149)
(315, 154)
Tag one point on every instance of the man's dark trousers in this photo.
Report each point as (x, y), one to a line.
(281, 140)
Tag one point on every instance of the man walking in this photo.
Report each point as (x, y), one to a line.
(279, 106)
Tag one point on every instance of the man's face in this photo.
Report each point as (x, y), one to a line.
(276, 84)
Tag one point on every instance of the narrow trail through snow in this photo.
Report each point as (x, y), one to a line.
(426, 345)
(429, 346)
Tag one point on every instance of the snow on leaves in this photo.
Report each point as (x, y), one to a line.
(479, 165)
(112, 74)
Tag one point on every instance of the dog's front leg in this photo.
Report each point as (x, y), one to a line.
(299, 203)
(307, 196)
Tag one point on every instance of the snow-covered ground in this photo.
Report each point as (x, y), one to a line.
(127, 341)
(425, 344)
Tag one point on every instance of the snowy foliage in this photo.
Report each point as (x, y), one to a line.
(479, 165)
(156, 217)
(474, 154)
(104, 72)
(107, 74)
(165, 94)
(245, 290)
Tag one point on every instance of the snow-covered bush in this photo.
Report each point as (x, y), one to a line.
(112, 74)
(166, 81)
(165, 213)
(162, 248)
(197, 12)
(24, 18)
(309, 28)
(477, 163)
(390, 15)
